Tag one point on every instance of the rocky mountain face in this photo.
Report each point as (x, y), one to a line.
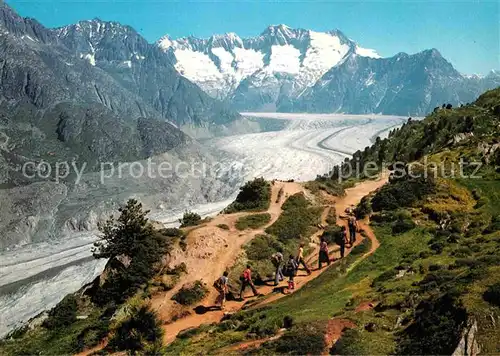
(84, 95)
(287, 69)
(403, 84)
(145, 70)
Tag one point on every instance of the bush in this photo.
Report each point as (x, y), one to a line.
(493, 226)
(190, 219)
(294, 223)
(253, 221)
(402, 225)
(331, 219)
(178, 269)
(332, 235)
(492, 294)
(296, 201)
(437, 328)
(172, 232)
(191, 293)
(302, 340)
(141, 332)
(402, 193)
(348, 344)
(63, 314)
(262, 247)
(223, 226)
(385, 276)
(328, 185)
(363, 209)
(254, 195)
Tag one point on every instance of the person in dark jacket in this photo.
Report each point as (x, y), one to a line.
(277, 260)
(353, 227)
(323, 253)
(343, 241)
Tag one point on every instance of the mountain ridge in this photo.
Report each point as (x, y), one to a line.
(283, 68)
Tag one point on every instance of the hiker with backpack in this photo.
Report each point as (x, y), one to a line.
(353, 227)
(277, 260)
(221, 285)
(291, 268)
(300, 259)
(246, 280)
(323, 253)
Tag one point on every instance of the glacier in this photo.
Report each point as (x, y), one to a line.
(36, 277)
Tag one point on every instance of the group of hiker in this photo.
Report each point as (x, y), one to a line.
(290, 267)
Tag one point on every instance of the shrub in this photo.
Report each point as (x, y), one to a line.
(141, 332)
(437, 247)
(494, 225)
(402, 225)
(191, 293)
(178, 269)
(63, 314)
(331, 219)
(296, 201)
(172, 232)
(492, 294)
(262, 247)
(223, 226)
(190, 219)
(363, 209)
(348, 344)
(294, 223)
(253, 221)
(385, 276)
(332, 235)
(437, 328)
(402, 193)
(302, 340)
(254, 195)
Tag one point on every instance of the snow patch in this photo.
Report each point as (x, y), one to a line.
(196, 66)
(248, 61)
(367, 52)
(284, 59)
(226, 59)
(165, 43)
(90, 57)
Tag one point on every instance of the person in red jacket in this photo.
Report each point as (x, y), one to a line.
(246, 280)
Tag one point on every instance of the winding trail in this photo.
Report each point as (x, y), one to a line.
(216, 262)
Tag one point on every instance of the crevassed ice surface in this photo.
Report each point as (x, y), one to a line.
(36, 277)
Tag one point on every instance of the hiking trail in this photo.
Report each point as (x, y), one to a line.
(211, 250)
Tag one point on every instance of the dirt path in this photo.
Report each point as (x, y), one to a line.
(226, 258)
(211, 250)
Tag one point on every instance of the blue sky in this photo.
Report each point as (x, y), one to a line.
(467, 33)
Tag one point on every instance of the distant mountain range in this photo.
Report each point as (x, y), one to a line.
(298, 70)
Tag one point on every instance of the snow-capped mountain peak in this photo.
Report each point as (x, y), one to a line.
(285, 58)
(165, 42)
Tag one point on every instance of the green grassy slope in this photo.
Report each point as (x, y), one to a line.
(435, 273)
